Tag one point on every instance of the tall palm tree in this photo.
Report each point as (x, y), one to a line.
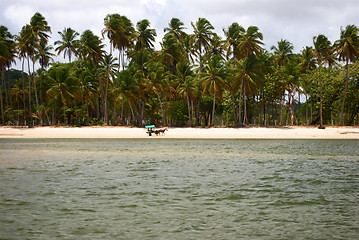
(307, 63)
(283, 53)
(321, 50)
(91, 51)
(250, 43)
(347, 48)
(44, 56)
(120, 31)
(145, 38)
(68, 43)
(213, 80)
(7, 49)
(32, 34)
(201, 38)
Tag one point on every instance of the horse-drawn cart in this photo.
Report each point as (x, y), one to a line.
(151, 130)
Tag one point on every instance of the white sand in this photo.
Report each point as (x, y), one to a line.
(225, 133)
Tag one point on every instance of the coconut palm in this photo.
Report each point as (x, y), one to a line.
(213, 79)
(321, 50)
(347, 48)
(91, 51)
(187, 86)
(120, 31)
(176, 27)
(32, 35)
(307, 63)
(283, 52)
(201, 38)
(250, 43)
(44, 56)
(172, 52)
(145, 38)
(233, 34)
(68, 43)
(7, 51)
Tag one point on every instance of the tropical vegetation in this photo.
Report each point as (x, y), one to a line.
(196, 78)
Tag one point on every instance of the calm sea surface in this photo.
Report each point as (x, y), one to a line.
(179, 189)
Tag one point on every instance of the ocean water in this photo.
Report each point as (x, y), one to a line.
(179, 189)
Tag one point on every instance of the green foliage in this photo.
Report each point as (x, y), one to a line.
(193, 79)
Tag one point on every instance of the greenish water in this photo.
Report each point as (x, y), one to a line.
(179, 189)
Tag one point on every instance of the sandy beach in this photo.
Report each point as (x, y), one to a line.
(204, 133)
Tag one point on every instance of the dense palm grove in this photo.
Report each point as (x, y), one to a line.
(196, 79)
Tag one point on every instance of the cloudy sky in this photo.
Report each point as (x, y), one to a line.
(294, 20)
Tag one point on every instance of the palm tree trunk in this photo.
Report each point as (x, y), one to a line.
(214, 106)
(36, 97)
(345, 94)
(240, 105)
(101, 91)
(1, 101)
(245, 117)
(23, 84)
(321, 99)
(30, 109)
(189, 111)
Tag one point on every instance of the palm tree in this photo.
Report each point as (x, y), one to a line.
(283, 52)
(213, 79)
(307, 63)
(91, 51)
(7, 49)
(32, 34)
(321, 50)
(120, 32)
(109, 66)
(201, 38)
(233, 34)
(347, 48)
(172, 52)
(144, 38)
(250, 43)
(60, 90)
(187, 86)
(68, 43)
(176, 27)
(44, 56)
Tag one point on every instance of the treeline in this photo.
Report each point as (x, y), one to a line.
(196, 79)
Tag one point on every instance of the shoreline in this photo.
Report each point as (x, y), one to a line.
(290, 132)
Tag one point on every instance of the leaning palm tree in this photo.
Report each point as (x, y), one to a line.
(347, 47)
(321, 50)
(68, 43)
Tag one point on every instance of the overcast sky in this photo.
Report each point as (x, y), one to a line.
(294, 20)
